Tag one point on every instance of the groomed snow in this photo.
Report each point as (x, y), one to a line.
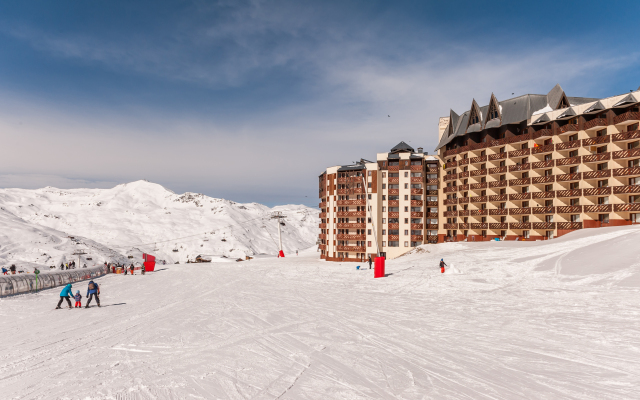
(509, 320)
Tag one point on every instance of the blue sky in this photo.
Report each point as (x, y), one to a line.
(251, 100)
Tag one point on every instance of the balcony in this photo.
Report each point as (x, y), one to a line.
(360, 202)
(617, 155)
(393, 226)
(450, 213)
(416, 191)
(394, 191)
(450, 164)
(631, 207)
(418, 179)
(569, 177)
(351, 237)
(596, 174)
(544, 225)
(626, 189)
(475, 186)
(394, 180)
(596, 140)
(478, 146)
(499, 211)
(323, 215)
(543, 179)
(543, 149)
(322, 247)
(478, 199)
(568, 128)
(417, 238)
(594, 123)
(543, 210)
(450, 177)
(450, 226)
(633, 171)
(520, 225)
(323, 205)
(394, 203)
(543, 195)
(596, 191)
(498, 198)
(479, 212)
(349, 225)
(341, 214)
(497, 170)
(596, 157)
(464, 161)
(519, 196)
(476, 160)
(569, 225)
(394, 237)
(598, 208)
(519, 167)
(394, 214)
(351, 191)
(322, 236)
(498, 226)
(432, 239)
(462, 188)
(450, 189)
(541, 133)
(352, 249)
(569, 193)
(498, 184)
(416, 214)
(416, 168)
(626, 136)
(574, 144)
(569, 209)
(417, 203)
(543, 164)
(429, 215)
(417, 226)
(432, 204)
(350, 179)
(324, 226)
(479, 172)
(568, 161)
(498, 156)
(520, 211)
(463, 226)
(480, 226)
(432, 226)
(463, 213)
(519, 153)
(394, 168)
(628, 116)
(520, 182)
(463, 174)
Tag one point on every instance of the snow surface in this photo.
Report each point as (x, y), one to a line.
(547, 108)
(554, 319)
(138, 217)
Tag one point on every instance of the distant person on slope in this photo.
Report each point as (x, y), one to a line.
(442, 265)
(4, 271)
(92, 290)
(13, 269)
(125, 269)
(64, 294)
(370, 262)
(78, 298)
(142, 269)
(132, 269)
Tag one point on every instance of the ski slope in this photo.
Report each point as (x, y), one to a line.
(509, 320)
(142, 217)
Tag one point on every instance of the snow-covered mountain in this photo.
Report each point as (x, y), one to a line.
(138, 217)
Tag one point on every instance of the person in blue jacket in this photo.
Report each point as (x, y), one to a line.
(64, 294)
(92, 290)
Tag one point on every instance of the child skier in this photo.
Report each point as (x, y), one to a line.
(78, 298)
(442, 265)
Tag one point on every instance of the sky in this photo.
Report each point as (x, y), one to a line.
(252, 100)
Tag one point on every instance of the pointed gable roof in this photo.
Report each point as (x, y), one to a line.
(475, 118)
(544, 118)
(402, 147)
(628, 99)
(556, 98)
(568, 113)
(494, 115)
(595, 107)
(454, 119)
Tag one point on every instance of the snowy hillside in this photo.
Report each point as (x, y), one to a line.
(144, 217)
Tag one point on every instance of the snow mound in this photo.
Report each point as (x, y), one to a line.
(452, 270)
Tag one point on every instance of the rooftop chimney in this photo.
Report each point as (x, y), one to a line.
(420, 150)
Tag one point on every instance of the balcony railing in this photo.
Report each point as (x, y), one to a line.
(569, 209)
(416, 191)
(543, 149)
(450, 226)
(628, 116)
(519, 196)
(450, 189)
(596, 140)
(432, 226)
(417, 203)
(416, 214)
(432, 239)
(462, 188)
(569, 177)
(596, 174)
(520, 182)
(626, 154)
(499, 211)
(630, 207)
(568, 161)
(595, 123)
(626, 171)
(463, 213)
(498, 156)
(394, 214)
(519, 153)
(479, 172)
(448, 202)
(480, 185)
(429, 215)
(543, 195)
(520, 211)
(417, 238)
(417, 226)
(432, 204)
(596, 157)
(349, 225)
(463, 174)
(569, 193)
(498, 198)
(351, 213)
(478, 199)
(520, 225)
(569, 225)
(352, 249)
(480, 226)
(541, 133)
(394, 203)
(543, 210)
(568, 128)
(360, 202)
(476, 160)
(544, 225)
(543, 179)
(598, 208)
(450, 177)
(463, 226)
(498, 184)
(626, 189)
(479, 212)
(543, 164)
(416, 168)
(519, 167)
(351, 237)
(497, 170)
(568, 145)
(596, 191)
(394, 180)
(451, 164)
(418, 179)
(498, 226)
(625, 136)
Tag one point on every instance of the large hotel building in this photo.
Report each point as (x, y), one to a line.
(528, 168)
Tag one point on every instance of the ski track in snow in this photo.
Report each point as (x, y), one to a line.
(508, 326)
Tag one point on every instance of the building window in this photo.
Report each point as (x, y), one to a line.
(369, 244)
(406, 186)
(384, 185)
(406, 220)
(406, 231)
(384, 244)
(604, 218)
(369, 173)
(406, 174)
(384, 197)
(369, 220)
(602, 167)
(406, 209)
(384, 220)
(406, 244)
(384, 232)
(575, 218)
(525, 234)
(603, 200)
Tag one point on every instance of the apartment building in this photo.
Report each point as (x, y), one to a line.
(386, 207)
(539, 166)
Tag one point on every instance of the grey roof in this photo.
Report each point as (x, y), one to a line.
(351, 167)
(402, 147)
(597, 106)
(393, 156)
(544, 118)
(569, 112)
(512, 111)
(629, 99)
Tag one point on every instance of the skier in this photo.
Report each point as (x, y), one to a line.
(64, 294)
(125, 269)
(84, 266)
(13, 269)
(132, 269)
(369, 262)
(296, 252)
(4, 271)
(142, 269)
(92, 290)
(442, 265)
(78, 298)
(61, 266)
